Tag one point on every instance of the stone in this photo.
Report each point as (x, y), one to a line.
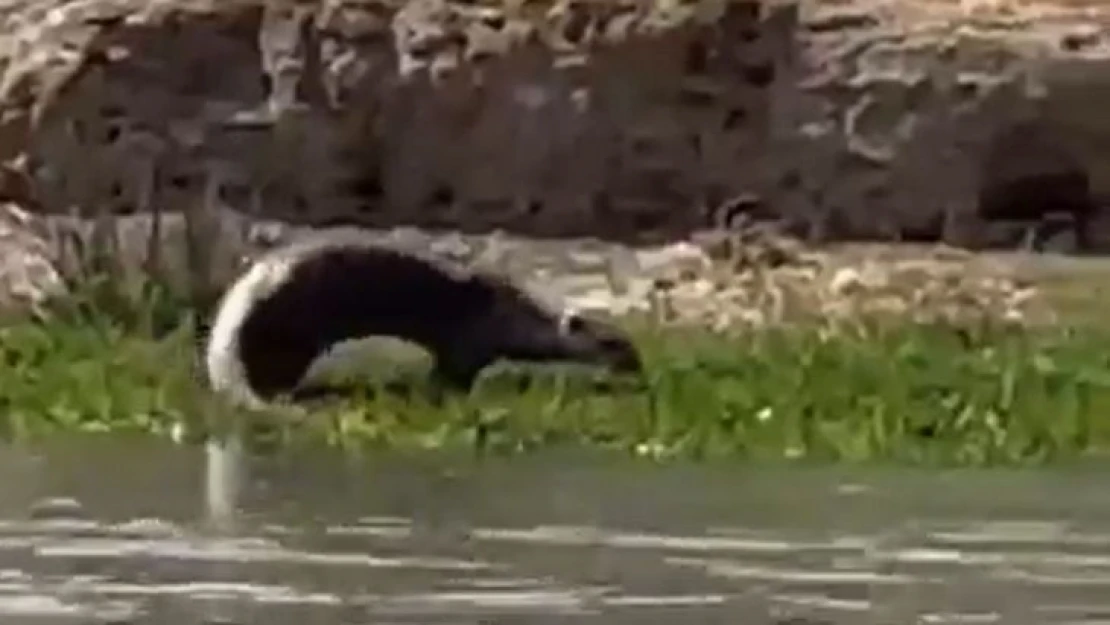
(29, 277)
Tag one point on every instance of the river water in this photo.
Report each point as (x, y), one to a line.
(111, 530)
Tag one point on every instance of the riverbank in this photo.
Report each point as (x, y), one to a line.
(836, 121)
(904, 379)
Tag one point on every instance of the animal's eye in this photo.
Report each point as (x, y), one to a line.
(575, 323)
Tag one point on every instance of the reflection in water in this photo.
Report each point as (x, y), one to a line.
(224, 467)
(107, 531)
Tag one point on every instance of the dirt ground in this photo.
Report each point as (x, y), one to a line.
(735, 280)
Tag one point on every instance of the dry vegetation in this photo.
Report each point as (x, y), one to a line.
(753, 280)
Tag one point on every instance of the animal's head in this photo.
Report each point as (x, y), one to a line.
(599, 342)
(529, 331)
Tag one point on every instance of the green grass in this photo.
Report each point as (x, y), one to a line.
(874, 391)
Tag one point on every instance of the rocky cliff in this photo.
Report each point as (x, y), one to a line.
(618, 119)
(601, 118)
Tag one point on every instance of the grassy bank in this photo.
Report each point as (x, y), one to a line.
(933, 393)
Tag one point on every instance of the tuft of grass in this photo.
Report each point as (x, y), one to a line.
(940, 393)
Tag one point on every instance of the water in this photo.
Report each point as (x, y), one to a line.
(116, 531)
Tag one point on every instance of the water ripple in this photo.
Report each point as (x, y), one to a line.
(410, 550)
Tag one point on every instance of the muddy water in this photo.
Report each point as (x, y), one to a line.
(117, 531)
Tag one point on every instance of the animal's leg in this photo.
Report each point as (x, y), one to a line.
(1082, 225)
(279, 370)
(457, 372)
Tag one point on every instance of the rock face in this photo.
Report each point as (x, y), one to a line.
(616, 119)
(917, 120)
(864, 118)
(604, 118)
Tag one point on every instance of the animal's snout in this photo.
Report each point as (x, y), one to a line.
(602, 342)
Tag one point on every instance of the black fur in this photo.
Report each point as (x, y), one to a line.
(466, 320)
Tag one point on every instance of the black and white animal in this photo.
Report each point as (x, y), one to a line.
(298, 301)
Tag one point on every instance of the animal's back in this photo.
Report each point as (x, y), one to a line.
(340, 290)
